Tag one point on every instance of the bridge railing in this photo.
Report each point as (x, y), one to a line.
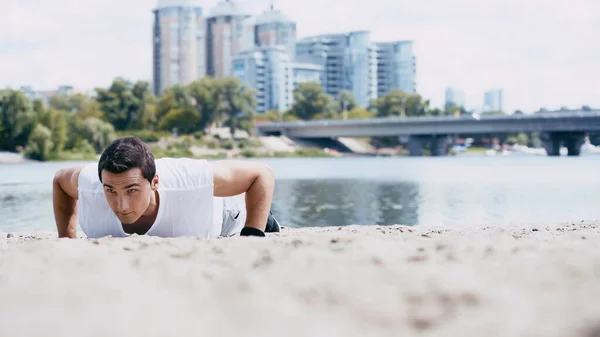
(433, 119)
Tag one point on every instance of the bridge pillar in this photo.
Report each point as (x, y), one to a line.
(415, 146)
(552, 146)
(573, 141)
(439, 145)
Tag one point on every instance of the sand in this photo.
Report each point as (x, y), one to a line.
(347, 281)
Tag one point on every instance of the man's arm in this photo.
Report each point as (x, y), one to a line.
(232, 177)
(64, 200)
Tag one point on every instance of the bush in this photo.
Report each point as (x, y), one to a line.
(249, 153)
(72, 156)
(172, 152)
(198, 135)
(211, 144)
(145, 135)
(253, 142)
(228, 145)
(186, 141)
(82, 150)
(98, 133)
(182, 119)
(40, 144)
(242, 144)
(302, 153)
(311, 152)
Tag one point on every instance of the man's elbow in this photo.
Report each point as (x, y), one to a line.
(64, 181)
(58, 177)
(267, 173)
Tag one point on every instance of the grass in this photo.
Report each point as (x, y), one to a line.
(145, 135)
(72, 156)
(476, 149)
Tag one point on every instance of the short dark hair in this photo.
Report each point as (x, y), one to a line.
(126, 153)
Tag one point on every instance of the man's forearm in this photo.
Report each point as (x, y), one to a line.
(258, 200)
(65, 212)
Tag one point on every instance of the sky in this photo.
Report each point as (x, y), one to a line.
(543, 53)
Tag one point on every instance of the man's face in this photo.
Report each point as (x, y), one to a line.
(129, 194)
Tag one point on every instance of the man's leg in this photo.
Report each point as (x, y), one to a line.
(234, 217)
(272, 224)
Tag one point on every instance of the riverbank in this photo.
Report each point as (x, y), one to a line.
(334, 281)
(11, 158)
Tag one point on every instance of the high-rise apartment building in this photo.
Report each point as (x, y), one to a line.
(178, 44)
(493, 100)
(348, 60)
(269, 71)
(224, 31)
(273, 28)
(455, 97)
(396, 67)
(306, 72)
(248, 38)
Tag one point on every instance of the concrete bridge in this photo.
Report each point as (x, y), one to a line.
(556, 128)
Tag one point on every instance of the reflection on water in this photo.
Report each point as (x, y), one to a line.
(300, 203)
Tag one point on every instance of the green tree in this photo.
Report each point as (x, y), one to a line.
(38, 107)
(150, 120)
(436, 112)
(392, 104)
(398, 103)
(523, 139)
(57, 122)
(310, 100)
(124, 104)
(82, 146)
(269, 116)
(96, 132)
(416, 105)
(17, 118)
(184, 119)
(236, 104)
(360, 113)
(346, 101)
(204, 96)
(69, 103)
(372, 106)
(145, 101)
(452, 109)
(89, 108)
(175, 97)
(39, 145)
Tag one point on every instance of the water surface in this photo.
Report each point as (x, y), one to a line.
(412, 191)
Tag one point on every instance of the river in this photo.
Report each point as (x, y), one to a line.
(447, 191)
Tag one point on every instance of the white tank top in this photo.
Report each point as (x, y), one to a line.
(187, 206)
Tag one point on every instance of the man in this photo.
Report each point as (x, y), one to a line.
(128, 192)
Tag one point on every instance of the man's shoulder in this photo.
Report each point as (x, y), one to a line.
(88, 177)
(180, 164)
(183, 172)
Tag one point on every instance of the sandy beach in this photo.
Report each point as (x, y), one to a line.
(339, 281)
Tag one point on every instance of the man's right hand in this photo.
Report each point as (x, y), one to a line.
(64, 200)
